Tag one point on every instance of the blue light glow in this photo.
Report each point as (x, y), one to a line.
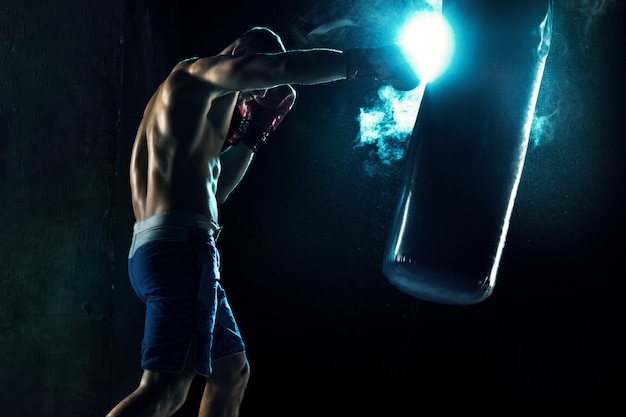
(387, 123)
(428, 42)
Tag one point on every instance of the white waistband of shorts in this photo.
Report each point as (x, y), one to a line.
(177, 218)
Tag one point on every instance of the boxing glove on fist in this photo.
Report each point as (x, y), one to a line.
(262, 115)
(386, 63)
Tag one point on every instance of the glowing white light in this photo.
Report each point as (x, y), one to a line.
(428, 42)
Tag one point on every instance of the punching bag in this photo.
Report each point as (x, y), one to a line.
(466, 153)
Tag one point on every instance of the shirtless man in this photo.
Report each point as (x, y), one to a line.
(179, 175)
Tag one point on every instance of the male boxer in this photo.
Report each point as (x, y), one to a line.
(178, 177)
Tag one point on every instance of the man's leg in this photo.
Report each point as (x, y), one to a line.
(223, 392)
(159, 394)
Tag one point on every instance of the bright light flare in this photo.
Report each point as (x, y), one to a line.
(428, 42)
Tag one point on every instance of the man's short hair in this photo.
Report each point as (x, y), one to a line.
(263, 40)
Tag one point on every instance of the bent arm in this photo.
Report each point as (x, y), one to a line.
(235, 162)
(262, 71)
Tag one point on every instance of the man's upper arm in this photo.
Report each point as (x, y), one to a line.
(230, 73)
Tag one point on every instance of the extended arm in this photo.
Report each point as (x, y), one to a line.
(261, 71)
(311, 66)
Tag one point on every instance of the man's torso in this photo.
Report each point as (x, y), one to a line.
(175, 162)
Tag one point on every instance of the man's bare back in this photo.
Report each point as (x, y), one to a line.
(175, 162)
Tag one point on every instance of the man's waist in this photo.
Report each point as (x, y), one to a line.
(173, 227)
(178, 219)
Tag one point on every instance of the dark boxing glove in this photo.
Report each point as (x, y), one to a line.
(386, 63)
(262, 115)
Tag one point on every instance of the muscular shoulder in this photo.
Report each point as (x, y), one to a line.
(183, 80)
(232, 73)
(189, 108)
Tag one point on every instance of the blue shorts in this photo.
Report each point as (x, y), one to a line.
(174, 268)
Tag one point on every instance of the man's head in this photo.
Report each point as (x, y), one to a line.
(259, 40)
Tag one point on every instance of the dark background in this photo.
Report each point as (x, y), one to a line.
(304, 233)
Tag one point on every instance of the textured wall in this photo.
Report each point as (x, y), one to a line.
(59, 78)
(74, 77)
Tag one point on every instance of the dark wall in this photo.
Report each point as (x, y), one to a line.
(303, 235)
(60, 80)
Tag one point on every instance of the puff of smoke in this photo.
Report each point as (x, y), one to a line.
(589, 12)
(386, 125)
(560, 100)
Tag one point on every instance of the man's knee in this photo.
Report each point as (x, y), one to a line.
(169, 390)
(231, 372)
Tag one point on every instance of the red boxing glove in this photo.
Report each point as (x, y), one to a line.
(262, 115)
(386, 63)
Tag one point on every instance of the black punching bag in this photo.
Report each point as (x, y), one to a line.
(467, 151)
